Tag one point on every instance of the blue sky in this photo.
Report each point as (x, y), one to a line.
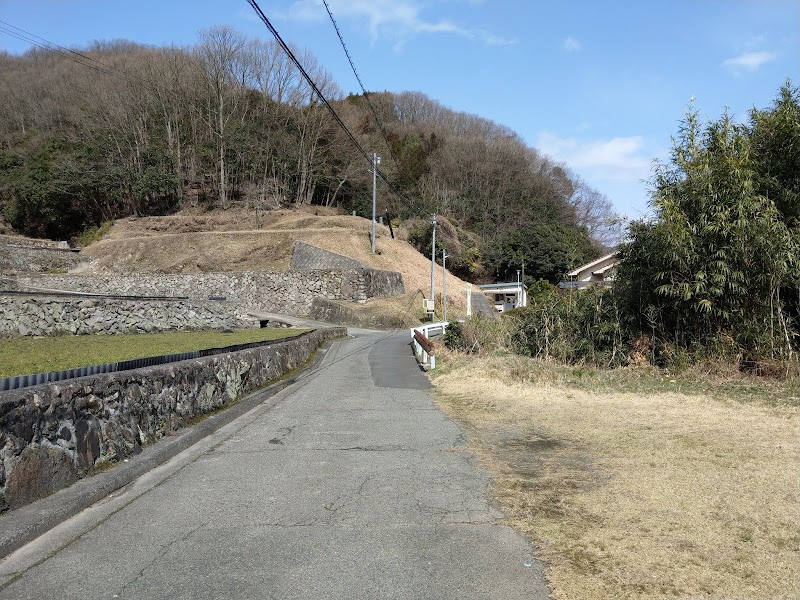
(599, 85)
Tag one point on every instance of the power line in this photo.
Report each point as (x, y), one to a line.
(371, 106)
(321, 96)
(54, 49)
(44, 44)
(358, 78)
(93, 63)
(307, 77)
(48, 42)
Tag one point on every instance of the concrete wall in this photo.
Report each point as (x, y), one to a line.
(43, 316)
(53, 434)
(331, 311)
(308, 257)
(289, 292)
(480, 304)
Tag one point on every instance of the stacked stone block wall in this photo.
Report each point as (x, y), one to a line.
(289, 292)
(36, 259)
(481, 305)
(20, 241)
(45, 316)
(336, 312)
(53, 434)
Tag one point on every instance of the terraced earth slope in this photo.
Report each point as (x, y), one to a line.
(243, 240)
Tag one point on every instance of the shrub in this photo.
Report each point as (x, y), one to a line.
(94, 234)
(453, 336)
(478, 334)
(575, 326)
(718, 267)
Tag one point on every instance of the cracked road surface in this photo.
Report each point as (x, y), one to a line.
(349, 484)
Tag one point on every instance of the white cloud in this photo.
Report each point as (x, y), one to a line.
(570, 44)
(398, 19)
(619, 158)
(749, 61)
(491, 39)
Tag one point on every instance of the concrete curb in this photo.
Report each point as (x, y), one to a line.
(28, 522)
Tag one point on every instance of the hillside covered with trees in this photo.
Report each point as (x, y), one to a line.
(119, 129)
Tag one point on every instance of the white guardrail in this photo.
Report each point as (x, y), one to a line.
(421, 352)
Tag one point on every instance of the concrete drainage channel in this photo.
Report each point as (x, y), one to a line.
(23, 381)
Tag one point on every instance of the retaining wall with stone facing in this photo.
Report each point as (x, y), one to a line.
(21, 241)
(51, 435)
(43, 316)
(288, 292)
(33, 259)
(481, 305)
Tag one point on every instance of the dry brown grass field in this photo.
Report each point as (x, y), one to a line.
(635, 484)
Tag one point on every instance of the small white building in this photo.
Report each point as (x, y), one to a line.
(598, 272)
(505, 296)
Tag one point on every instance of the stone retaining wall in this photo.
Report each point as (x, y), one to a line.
(35, 259)
(44, 316)
(53, 434)
(289, 292)
(18, 241)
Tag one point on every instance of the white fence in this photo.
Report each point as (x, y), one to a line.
(431, 329)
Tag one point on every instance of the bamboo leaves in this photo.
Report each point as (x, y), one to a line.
(721, 248)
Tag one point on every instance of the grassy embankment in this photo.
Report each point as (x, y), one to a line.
(636, 484)
(23, 356)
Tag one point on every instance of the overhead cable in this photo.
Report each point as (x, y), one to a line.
(358, 78)
(321, 96)
(73, 55)
(61, 51)
(48, 42)
(307, 77)
(89, 62)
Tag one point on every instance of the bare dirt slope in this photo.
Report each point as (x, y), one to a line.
(242, 240)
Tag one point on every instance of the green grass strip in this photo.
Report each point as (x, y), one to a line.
(25, 356)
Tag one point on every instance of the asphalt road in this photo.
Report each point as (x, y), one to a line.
(349, 484)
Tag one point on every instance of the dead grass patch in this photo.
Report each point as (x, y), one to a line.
(659, 492)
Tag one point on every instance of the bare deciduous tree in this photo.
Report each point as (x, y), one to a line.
(221, 52)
